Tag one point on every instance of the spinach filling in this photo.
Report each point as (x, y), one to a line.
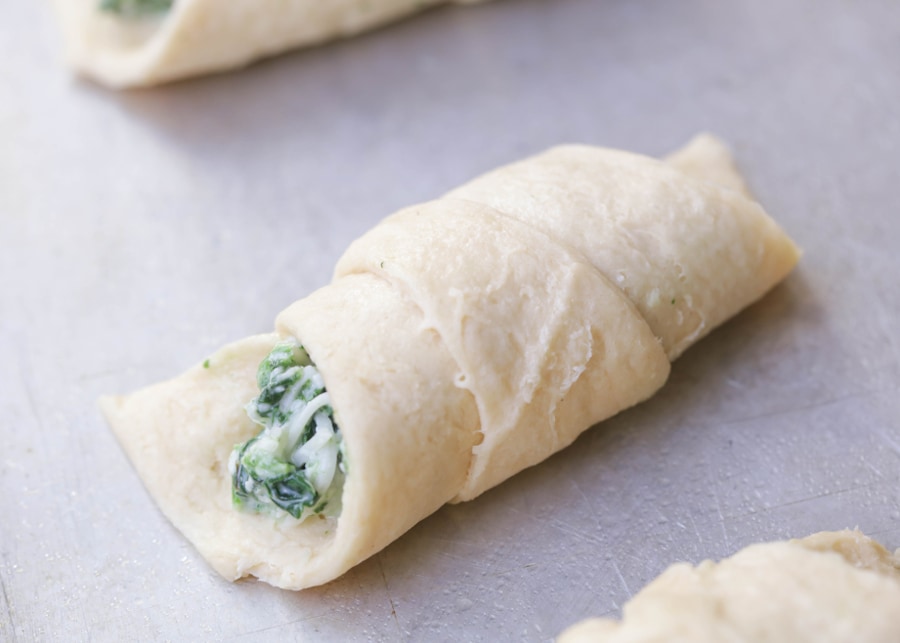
(136, 8)
(296, 464)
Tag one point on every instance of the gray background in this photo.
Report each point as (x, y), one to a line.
(139, 231)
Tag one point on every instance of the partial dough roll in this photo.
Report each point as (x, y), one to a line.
(460, 341)
(831, 587)
(127, 43)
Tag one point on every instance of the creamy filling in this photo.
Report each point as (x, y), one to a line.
(135, 8)
(296, 464)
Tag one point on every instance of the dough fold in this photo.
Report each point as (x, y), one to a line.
(461, 341)
(831, 587)
(688, 253)
(200, 36)
(524, 319)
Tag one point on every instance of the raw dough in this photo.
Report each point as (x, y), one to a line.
(200, 36)
(832, 587)
(463, 340)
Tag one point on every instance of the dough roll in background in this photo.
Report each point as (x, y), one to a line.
(831, 587)
(463, 340)
(129, 49)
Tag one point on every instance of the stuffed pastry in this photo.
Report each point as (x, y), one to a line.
(127, 43)
(459, 342)
(831, 587)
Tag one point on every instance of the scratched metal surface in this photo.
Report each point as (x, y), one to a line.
(140, 231)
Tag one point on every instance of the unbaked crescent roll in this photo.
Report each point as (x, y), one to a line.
(831, 587)
(127, 43)
(460, 341)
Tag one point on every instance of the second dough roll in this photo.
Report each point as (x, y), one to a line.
(830, 587)
(129, 43)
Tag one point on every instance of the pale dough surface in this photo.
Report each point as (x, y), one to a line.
(462, 340)
(201, 36)
(832, 587)
(524, 319)
(688, 253)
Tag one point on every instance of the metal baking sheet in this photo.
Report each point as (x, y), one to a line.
(139, 231)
